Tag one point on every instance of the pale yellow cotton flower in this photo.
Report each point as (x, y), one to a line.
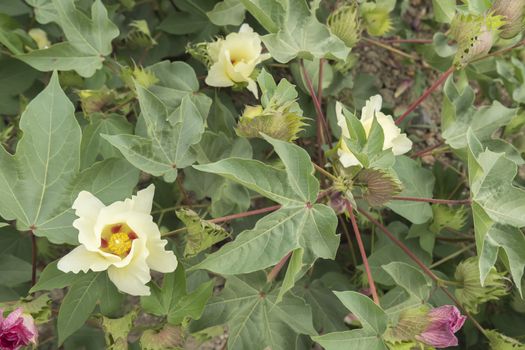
(393, 138)
(120, 238)
(234, 59)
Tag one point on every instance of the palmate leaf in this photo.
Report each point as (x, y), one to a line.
(173, 120)
(170, 136)
(39, 183)
(88, 39)
(255, 320)
(459, 115)
(497, 207)
(300, 226)
(294, 30)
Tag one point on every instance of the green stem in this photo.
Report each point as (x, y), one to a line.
(452, 256)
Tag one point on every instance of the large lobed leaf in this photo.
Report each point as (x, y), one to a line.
(88, 39)
(300, 226)
(40, 182)
(498, 208)
(255, 320)
(174, 119)
(295, 31)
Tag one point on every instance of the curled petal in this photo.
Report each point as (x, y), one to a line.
(81, 259)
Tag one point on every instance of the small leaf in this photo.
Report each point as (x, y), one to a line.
(371, 316)
(444, 10)
(78, 304)
(191, 306)
(227, 12)
(410, 278)
(52, 278)
(117, 329)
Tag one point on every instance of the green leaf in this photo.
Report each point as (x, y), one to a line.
(170, 136)
(459, 115)
(110, 297)
(371, 316)
(355, 339)
(93, 145)
(78, 304)
(417, 182)
(496, 208)
(88, 39)
(63, 57)
(295, 31)
(34, 182)
(227, 12)
(328, 310)
(14, 270)
(191, 305)
(226, 196)
(201, 234)
(52, 278)
(255, 321)
(299, 224)
(410, 278)
(444, 10)
(163, 300)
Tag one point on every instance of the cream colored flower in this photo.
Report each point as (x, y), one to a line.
(394, 139)
(234, 59)
(120, 238)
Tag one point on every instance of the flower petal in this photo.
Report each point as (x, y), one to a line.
(132, 278)
(81, 259)
(87, 206)
(347, 159)
(217, 76)
(372, 106)
(341, 119)
(143, 200)
(252, 87)
(160, 259)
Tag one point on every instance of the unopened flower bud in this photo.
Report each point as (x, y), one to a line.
(474, 35)
(345, 24)
(376, 19)
(280, 122)
(17, 330)
(140, 36)
(432, 327)
(472, 294)
(95, 100)
(513, 12)
(40, 38)
(379, 186)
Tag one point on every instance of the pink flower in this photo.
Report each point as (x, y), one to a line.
(444, 321)
(17, 330)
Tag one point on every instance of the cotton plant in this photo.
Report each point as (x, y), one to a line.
(175, 174)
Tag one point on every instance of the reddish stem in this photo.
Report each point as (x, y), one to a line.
(407, 41)
(320, 82)
(277, 268)
(432, 200)
(400, 244)
(363, 253)
(321, 120)
(427, 150)
(245, 214)
(425, 94)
